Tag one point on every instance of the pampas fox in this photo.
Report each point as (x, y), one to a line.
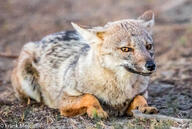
(84, 70)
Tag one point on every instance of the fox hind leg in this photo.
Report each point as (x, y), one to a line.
(24, 76)
(87, 103)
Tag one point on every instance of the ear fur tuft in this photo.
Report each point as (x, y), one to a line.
(148, 18)
(100, 35)
(90, 35)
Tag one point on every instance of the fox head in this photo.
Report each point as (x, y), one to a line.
(126, 44)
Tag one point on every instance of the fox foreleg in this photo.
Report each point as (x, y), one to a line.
(140, 103)
(78, 105)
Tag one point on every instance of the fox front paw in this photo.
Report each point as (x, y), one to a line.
(148, 110)
(97, 113)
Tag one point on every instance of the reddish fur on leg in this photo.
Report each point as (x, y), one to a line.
(140, 103)
(72, 106)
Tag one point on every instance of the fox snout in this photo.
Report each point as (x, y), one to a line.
(150, 65)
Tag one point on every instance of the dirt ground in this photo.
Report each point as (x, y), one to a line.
(171, 86)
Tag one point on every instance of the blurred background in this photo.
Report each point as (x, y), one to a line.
(22, 21)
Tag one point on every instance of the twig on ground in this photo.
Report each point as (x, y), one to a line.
(138, 114)
(7, 55)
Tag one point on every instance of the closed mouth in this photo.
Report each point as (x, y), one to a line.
(136, 72)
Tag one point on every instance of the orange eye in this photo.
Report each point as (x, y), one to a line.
(149, 46)
(126, 49)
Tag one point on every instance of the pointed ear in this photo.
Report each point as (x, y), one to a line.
(148, 18)
(88, 35)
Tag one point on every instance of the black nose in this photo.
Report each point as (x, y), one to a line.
(150, 65)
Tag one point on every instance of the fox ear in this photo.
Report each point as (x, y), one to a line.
(88, 35)
(148, 18)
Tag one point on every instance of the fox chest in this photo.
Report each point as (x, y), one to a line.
(119, 106)
(117, 102)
